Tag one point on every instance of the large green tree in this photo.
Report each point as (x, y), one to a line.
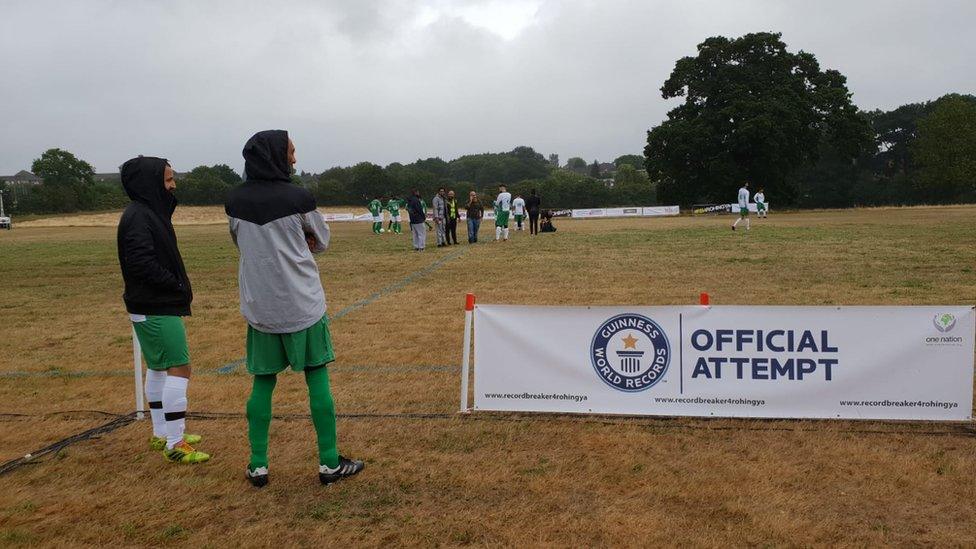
(68, 183)
(945, 151)
(752, 111)
(368, 180)
(206, 184)
(576, 164)
(632, 187)
(634, 160)
(61, 168)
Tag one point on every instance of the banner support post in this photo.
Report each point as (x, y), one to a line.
(137, 366)
(466, 352)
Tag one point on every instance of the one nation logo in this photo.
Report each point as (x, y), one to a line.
(630, 352)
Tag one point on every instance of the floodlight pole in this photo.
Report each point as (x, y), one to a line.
(466, 352)
(137, 366)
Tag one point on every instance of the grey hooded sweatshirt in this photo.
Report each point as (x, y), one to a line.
(271, 220)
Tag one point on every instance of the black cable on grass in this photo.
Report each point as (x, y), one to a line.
(967, 430)
(60, 413)
(662, 422)
(118, 422)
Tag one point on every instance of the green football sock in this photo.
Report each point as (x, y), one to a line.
(259, 418)
(323, 414)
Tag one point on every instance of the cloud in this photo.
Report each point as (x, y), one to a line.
(398, 80)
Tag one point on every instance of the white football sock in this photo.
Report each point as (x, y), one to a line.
(737, 222)
(505, 233)
(155, 380)
(174, 405)
(498, 233)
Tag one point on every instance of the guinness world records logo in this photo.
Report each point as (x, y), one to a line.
(630, 352)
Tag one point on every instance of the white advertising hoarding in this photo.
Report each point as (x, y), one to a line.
(733, 361)
(656, 211)
(635, 211)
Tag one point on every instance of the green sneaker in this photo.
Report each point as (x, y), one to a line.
(184, 453)
(158, 444)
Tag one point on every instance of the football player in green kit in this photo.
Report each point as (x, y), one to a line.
(376, 210)
(393, 206)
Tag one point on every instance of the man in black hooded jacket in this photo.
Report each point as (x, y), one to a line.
(157, 295)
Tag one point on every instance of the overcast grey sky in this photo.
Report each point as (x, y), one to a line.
(399, 80)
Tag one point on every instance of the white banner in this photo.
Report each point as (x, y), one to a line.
(339, 217)
(634, 211)
(732, 361)
(655, 211)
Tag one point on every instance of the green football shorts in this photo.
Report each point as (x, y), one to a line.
(744, 212)
(163, 341)
(760, 207)
(272, 353)
(501, 219)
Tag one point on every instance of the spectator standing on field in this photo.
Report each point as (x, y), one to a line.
(475, 211)
(439, 217)
(276, 228)
(417, 213)
(451, 218)
(532, 205)
(157, 295)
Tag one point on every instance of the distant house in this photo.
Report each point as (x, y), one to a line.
(23, 177)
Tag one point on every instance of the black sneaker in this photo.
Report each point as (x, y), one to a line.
(258, 477)
(346, 468)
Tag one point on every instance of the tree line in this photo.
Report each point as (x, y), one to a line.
(69, 183)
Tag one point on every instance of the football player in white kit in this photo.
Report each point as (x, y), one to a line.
(503, 206)
(519, 206)
(743, 206)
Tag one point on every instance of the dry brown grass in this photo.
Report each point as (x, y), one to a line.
(483, 479)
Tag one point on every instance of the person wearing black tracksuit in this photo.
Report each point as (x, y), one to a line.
(157, 295)
(418, 219)
(532, 205)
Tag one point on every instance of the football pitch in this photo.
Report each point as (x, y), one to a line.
(434, 477)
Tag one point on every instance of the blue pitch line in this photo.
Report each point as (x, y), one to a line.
(233, 365)
(336, 367)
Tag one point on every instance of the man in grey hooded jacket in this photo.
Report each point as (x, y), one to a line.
(277, 228)
(440, 211)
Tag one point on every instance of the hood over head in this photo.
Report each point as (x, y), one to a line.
(266, 156)
(142, 179)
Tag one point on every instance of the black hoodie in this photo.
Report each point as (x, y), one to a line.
(267, 193)
(152, 268)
